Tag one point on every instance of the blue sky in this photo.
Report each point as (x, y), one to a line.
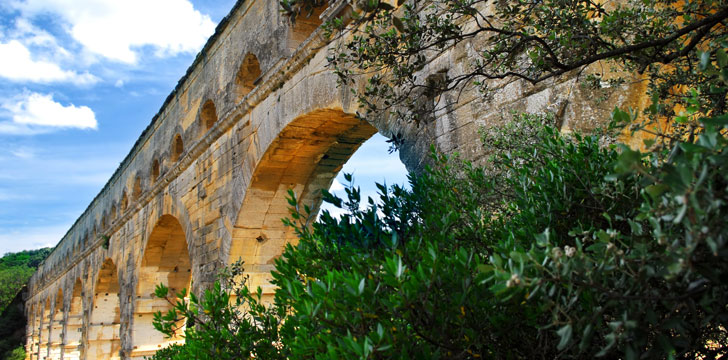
(79, 81)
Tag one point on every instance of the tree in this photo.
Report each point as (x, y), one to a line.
(388, 44)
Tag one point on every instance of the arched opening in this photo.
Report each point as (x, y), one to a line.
(45, 330)
(124, 202)
(166, 261)
(72, 339)
(177, 148)
(155, 170)
(57, 327)
(305, 157)
(103, 329)
(303, 27)
(31, 340)
(247, 77)
(137, 189)
(372, 163)
(113, 213)
(208, 115)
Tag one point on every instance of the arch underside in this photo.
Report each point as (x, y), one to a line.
(54, 345)
(104, 341)
(166, 261)
(74, 324)
(306, 156)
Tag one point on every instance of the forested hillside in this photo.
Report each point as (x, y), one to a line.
(15, 270)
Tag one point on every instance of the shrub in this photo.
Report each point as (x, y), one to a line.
(564, 246)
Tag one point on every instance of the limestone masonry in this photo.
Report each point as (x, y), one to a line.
(257, 113)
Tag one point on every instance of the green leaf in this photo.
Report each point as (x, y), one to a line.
(656, 190)
(704, 59)
(564, 333)
(722, 57)
(628, 160)
(542, 239)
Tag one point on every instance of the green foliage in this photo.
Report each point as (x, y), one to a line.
(574, 260)
(578, 262)
(387, 49)
(228, 322)
(15, 270)
(11, 281)
(17, 354)
(12, 329)
(29, 258)
(564, 246)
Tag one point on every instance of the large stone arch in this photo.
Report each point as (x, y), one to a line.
(104, 341)
(305, 157)
(165, 260)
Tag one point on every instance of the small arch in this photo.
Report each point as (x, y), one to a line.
(113, 212)
(56, 327)
(137, 189)
(72, 340)
(124, 202)
(247, 77)
(304, 26)
(104, 341)
(32, 332)
(45, 329)
(208, 115)
(177, 148)
(155, 170)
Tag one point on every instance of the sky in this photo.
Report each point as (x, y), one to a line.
(79, 81)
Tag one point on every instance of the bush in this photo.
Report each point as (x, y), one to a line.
(565, 246)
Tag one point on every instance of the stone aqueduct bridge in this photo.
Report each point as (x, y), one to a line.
(256, 114)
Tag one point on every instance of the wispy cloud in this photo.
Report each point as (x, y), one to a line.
(23, 153)
(117, 29)
(32, 237)
(33, 113)
(17, 64)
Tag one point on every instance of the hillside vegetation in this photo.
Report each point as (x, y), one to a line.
(15, 270)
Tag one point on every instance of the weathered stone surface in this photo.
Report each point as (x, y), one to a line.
(257, 114)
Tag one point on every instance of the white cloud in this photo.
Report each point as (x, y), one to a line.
(23, 153)
(32, 35)
(115, 29)
(32, 237)
(336, 186)
(16, 64)
(35, 113)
